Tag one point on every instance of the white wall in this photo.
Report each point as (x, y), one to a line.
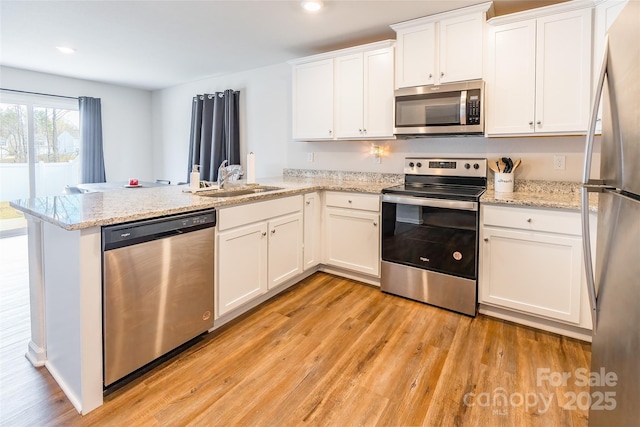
(126, 118)
(265, 120)
(536, 154)
(265, 116)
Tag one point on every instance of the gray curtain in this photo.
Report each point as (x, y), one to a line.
(91, 140)
(215, 132)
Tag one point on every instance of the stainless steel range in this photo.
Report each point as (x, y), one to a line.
(430, 232)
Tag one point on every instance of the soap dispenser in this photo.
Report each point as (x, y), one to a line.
(195, 178)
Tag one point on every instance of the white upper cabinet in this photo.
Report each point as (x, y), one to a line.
(416, 55)
(361, 103)
(442, 48)
(378, 100)
(313, 100)
(462, 34)
(539, 74)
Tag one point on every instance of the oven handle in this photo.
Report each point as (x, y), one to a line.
(434, 203)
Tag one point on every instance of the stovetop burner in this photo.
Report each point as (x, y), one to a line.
(438, 191)
(459, 179)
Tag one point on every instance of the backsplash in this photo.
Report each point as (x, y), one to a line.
(373, 177)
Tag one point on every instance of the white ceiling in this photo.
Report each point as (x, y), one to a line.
(157, 44)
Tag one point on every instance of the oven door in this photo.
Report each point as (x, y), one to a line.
(431, 234)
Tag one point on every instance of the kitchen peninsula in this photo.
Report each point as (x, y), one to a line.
(65, 259)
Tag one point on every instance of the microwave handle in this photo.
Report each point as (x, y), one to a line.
(463, 107)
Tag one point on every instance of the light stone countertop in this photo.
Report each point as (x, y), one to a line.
(79, 211)
(541, 194)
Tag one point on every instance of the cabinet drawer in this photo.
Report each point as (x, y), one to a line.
(365, 202)
(259, 211)
(535, 219)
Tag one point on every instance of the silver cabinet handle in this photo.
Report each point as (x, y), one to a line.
(442, 74)
(538, 122)
(330, 131)
(530, 123)
(360, 130)
(349, 201)
(528, 219)
(375, 224)
(273, 231)
(430, 75)
(308, 202)
(364, 131)
(486, 239)
(264, 233)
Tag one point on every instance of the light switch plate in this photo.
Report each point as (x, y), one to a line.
(559, 162)
(310, 157)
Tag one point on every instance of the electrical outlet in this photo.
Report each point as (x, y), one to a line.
(559, 162)
(310, 157)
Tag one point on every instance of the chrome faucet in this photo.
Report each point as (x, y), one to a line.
(228, 173)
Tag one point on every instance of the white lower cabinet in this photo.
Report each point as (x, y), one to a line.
(284, 249)
(352, 232)
(531, 263)
(258, 247)
(242, 265)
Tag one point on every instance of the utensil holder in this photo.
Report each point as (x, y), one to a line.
(504, 182)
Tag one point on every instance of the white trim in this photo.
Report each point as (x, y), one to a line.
(369, 280)
(75, 401)
(536, 322)
(542, 11)
(348, 51)
(479, 8)
(36, 355)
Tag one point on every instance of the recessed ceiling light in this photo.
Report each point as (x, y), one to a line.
(66, 49)
(312, 5)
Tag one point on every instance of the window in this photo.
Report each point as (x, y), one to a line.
(39, 147)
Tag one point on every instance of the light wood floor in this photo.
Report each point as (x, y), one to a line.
(329, 352)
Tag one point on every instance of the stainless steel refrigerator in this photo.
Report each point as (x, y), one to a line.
(614, 289)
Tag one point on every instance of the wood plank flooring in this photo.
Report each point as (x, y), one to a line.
(329, 352)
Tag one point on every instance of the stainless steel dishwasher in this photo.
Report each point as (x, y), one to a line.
(157, 288)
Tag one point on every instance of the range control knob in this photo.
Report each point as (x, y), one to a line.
(419, 164)
(411, 164)
(467, 165)
(476, 166)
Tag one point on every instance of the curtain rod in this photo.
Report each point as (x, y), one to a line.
(38, 93)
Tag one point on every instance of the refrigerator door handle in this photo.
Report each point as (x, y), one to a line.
(589, 185)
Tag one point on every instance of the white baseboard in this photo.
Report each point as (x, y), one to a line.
(536, 322)
(75, 400)
(36, 355)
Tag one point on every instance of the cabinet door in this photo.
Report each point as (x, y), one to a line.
(415, 60)
(378, 93)
(535, 273)
(313, 100)
(285, 249)
(241, 270)
(312, 227)
(563, 72)
(461, 41)
(349, 86)
(511, 78)
(352, 240)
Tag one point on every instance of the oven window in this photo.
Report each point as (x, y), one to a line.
(440, 109)
(437, 239)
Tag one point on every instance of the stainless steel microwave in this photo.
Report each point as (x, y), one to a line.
(448, 109)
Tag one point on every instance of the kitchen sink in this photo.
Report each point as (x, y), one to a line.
(241, 191)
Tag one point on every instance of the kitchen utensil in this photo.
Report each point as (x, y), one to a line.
(501, 166)
(516, 164)
(493, 167)
(509, 164)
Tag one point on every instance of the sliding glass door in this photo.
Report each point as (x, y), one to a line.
(39, 151)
